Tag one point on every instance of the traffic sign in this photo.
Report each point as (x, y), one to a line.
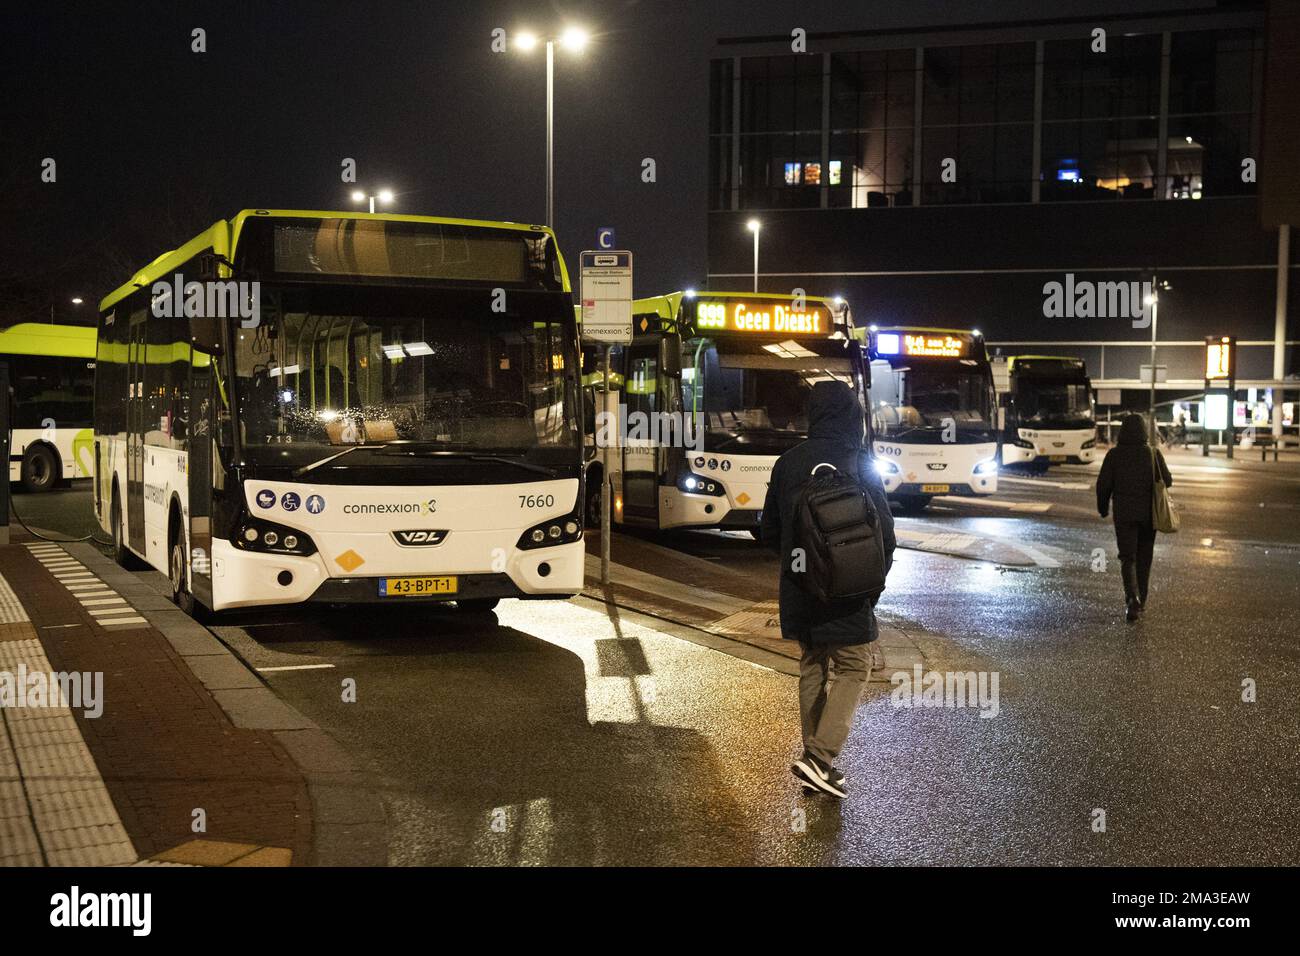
(607, 296)
(605, 238)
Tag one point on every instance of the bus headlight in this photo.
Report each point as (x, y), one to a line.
(1089, 443)
(699, 485)
(885, 468)
(989, 466)
(562, 530)
(270, 538)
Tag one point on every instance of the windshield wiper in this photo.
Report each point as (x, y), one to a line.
(299, 472)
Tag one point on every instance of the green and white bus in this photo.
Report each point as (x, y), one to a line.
(734, 369)
(52, 374)
(339, 407)
(1050, 416)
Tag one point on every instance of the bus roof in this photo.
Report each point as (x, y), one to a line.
(669, 304)
(36, 338)
(223, 235)
(923, 328)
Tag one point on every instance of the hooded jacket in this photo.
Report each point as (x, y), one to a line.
(835, 435)
(1126, 480)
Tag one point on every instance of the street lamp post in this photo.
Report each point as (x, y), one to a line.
(754, 226)
(574, 40)
(1154, 302)
(384, 196)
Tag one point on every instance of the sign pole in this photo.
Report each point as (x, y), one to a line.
(607, 320)
(607, 482)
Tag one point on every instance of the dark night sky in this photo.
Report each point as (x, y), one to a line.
(154, 142)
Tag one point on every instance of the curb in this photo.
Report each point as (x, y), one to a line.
(349, 823)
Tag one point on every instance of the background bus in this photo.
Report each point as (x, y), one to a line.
(1049, 414)
(932, 414)
(398, 419)
(736, 370)
(52, 373)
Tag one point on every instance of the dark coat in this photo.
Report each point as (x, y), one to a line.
(1126, 478)
(835, 434)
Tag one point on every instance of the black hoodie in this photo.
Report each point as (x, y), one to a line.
(835, 434)
(1127, 475)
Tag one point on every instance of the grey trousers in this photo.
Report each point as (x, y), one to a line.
(826, 713)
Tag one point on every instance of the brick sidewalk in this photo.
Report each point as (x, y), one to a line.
(163, 746)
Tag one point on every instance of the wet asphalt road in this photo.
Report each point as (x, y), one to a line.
(548, 733)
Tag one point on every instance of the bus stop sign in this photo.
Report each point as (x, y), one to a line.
(607, 297)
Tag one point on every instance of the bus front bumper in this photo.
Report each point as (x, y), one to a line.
(253, 579)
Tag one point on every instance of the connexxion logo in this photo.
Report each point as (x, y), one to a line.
(418, 538)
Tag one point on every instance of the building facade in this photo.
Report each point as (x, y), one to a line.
(1036, 181)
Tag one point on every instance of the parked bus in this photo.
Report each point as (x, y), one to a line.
(932, 414)
(52, 374)
(388, 411)
(1049, 412)
(734, 371)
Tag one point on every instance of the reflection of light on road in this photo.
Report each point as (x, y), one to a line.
(518, 834)
(610, 699)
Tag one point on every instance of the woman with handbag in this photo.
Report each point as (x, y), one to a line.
(1133, 480)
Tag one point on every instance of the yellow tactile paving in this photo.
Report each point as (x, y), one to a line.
(222, 853)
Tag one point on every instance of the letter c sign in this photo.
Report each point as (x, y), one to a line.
(605, 238)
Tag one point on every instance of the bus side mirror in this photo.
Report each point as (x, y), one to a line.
(670, 356)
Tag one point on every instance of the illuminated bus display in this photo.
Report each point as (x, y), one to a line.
(748, 316)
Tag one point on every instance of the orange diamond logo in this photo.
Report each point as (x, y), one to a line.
(743, 498)
(349, 560)
(645, 324)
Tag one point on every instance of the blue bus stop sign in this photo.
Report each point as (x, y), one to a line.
(605, 238)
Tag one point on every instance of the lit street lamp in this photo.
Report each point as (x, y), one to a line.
(1153, 300)
(385, 196)
(754, 226)
(573, 39)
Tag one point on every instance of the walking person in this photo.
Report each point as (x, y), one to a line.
(833, 633)
(1125, 486)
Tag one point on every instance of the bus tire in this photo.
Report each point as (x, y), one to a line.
(181, 595)
(478, 605)
(121, 553)
(40, 471)
(592, 506)
(914, 504)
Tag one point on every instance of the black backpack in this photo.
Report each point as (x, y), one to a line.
(838, 530)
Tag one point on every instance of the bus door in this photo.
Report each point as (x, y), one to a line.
(135, 428)
(202, 433)
(642, 377)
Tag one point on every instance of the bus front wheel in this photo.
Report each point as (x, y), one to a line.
(121, 553)
(40, 469)
(913, 504)
(181, 595)
(592, 504)
(478, 605)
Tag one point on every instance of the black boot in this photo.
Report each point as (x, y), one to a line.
(1134, 609)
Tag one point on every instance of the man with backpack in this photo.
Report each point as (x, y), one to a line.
(827, 517)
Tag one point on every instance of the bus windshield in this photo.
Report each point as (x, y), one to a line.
(1052, 400)
(918, 397)
(751, 396)
(330, 368)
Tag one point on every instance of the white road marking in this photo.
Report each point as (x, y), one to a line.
(1031, 482)
(1033, 507)
(293, 667)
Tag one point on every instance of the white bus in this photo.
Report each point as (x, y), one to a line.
(1050, 416)
(932, 414)
(52, 374)
(397, 420)
(735, 369)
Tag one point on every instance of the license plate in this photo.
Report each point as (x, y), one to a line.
(416, 587)
(934, 489)
(1058, 458)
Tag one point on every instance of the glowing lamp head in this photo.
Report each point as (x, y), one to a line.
(385, 195)
(358, 196)
(574, 39)
(753, 225)
(526, 41)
